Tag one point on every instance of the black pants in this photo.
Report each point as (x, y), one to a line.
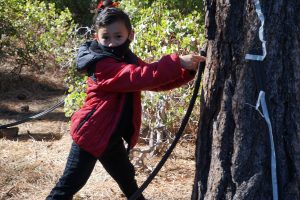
(80, 165)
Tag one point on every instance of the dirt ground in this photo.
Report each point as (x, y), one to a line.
(32, 162)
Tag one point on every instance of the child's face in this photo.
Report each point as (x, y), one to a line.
(113, 35)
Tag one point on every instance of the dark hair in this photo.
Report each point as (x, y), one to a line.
(111, 15)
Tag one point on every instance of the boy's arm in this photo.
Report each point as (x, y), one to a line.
(186, 77)
(115, 76)
(177, 83)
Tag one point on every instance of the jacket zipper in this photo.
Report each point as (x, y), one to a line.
(85, 119)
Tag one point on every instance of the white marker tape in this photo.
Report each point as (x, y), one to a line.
(261, 101)
(261, 35)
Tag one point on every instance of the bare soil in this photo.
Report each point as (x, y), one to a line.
(32, 162)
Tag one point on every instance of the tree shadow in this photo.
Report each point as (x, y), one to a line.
(34, 87)
(36, 137)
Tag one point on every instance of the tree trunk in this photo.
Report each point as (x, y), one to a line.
(233, 147)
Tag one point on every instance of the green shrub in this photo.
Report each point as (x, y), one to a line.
(161, 27)
(77, 84)
(35, 34)
(41, 34)
(80, 9)
(159, 30)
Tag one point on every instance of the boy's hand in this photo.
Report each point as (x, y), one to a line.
(191, 61)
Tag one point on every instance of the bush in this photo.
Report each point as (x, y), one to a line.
(41, 34)
(35, 34)
(161, 27)
(162, 30)
(80, 9)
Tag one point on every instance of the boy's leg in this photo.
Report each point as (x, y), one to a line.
(116, 162)
(79, 167)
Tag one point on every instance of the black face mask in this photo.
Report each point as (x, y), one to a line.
(118, 51)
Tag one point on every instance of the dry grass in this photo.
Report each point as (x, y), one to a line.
(31, 164)
(29, 169)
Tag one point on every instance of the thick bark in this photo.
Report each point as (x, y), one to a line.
(233, 146)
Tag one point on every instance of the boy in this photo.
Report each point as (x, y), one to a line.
(112, 108)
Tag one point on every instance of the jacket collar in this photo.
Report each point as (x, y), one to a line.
(90, 52)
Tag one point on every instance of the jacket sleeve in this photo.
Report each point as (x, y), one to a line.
(121, 77)
(185, 78)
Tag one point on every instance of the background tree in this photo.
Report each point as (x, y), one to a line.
(233, 146)
(82, 10)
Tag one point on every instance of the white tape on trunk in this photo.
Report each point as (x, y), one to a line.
(261, 35)
(261, 101)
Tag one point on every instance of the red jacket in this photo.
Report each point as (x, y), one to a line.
(93, 125)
